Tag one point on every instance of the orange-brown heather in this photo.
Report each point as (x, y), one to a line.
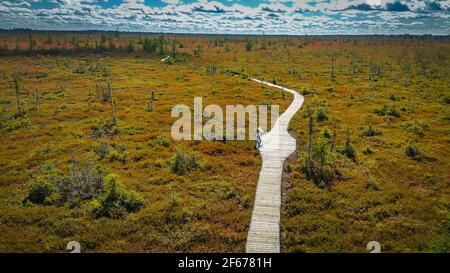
(391, 94)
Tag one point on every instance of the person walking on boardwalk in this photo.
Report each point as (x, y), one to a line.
(259, 132)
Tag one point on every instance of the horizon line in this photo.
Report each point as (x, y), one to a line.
(218, 33)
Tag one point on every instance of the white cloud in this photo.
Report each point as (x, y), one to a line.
(171, 2)
(273, 16)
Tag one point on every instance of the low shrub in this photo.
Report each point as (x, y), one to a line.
(418, 127)
(394, 97)
(104, 128)
(371, 132)
(372, 185)
(79, 185)
(115, 201)
(102, 150)
(320, 168)
(17, 124)
(118, 155)
(329, 88)
(184, 163)
(321, 115)
(224, 191)
(42, 192)
(387, 110)
(349, 150)
(245, 201)
(412, 152)
(367, 150)
(133, 130)
(325, 132)
(162, 141)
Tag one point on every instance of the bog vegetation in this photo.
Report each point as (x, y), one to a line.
(87, 154)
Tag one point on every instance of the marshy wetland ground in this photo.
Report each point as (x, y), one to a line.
(87, 154)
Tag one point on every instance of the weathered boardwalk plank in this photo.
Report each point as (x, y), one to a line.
(277, 145)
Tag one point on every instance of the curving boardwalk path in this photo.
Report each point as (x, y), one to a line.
(277, 146)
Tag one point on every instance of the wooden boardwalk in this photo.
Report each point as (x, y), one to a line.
(277, 145)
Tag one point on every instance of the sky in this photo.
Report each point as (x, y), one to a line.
(272, 17)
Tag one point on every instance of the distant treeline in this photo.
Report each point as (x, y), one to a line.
(26, 42)
(29, 42)
(99, 32)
